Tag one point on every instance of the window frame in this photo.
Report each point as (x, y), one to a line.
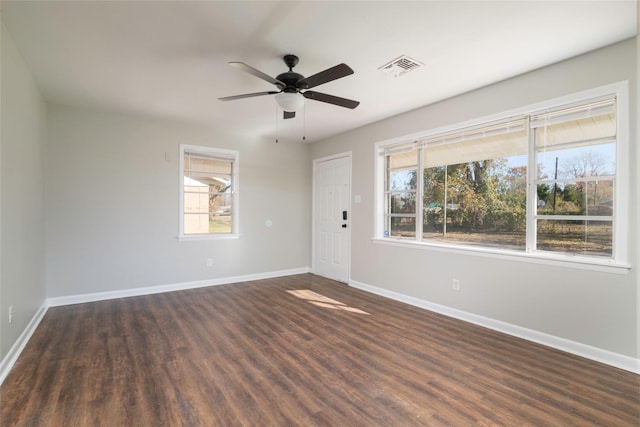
(618, 262)
(223, 154)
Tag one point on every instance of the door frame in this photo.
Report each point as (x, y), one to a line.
(349, 156)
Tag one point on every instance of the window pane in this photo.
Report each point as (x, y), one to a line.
(485, 203)
(581, 162)
(402, 180)
(578, 237)
(402, 203)
(196, 207)
(220, 223)
(402, 227)
(434, 200)
(576, 198)
(195, 223)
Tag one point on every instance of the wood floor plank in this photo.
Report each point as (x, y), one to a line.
(297, 351)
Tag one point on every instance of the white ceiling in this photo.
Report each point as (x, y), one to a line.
(169, 59)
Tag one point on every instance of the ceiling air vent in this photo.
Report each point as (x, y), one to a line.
(400, 66)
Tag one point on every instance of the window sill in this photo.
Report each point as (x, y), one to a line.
(208, 237)
(576, 261)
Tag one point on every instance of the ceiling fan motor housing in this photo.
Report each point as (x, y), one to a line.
(290, 78)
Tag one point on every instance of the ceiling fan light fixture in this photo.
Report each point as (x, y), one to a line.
(290, 101)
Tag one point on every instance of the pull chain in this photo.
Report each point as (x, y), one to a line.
(304, 120)
(276, 124)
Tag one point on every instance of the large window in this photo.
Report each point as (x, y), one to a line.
(544, 181)
(208, 192)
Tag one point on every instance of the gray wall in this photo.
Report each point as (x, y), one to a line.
(22, 222)
(112, 205)
(589, 307)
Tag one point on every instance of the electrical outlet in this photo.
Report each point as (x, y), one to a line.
(10, 314)
(209, 262)
(455, 284)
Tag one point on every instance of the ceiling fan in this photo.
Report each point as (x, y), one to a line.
(293, 86)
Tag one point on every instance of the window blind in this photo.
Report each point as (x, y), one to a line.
(209, 156)
(491, 141)
(207, 166)
(590, 124)
(593, 109)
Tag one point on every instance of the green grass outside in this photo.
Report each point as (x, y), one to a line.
(217, 226)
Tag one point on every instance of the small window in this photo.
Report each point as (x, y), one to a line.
(208, 192)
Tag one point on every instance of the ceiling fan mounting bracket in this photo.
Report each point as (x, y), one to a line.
(290, 60)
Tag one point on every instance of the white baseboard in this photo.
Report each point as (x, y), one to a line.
(600, 355)
(604, 356)
(10, 359)
(14, 352)
(101, 296)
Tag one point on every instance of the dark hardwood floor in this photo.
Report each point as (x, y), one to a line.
(258, 354)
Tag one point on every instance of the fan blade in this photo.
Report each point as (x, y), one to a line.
(248, 95)
(289, 114)
(257, 73)
(335, 100)
(330, 74)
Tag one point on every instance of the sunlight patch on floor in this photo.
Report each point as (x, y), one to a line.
(322, 301)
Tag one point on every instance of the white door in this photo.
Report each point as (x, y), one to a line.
(332, 215)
